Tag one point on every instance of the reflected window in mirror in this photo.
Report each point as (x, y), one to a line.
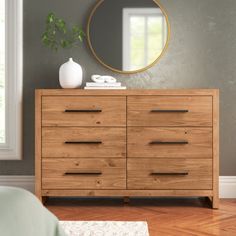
(144, 36)
(128, 36)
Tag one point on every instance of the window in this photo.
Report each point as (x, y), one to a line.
(144, 36)
(2, 72)
(10, 79)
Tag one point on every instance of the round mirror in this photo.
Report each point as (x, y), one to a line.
(128, 36)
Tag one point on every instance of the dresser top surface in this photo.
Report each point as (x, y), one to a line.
(128, 92)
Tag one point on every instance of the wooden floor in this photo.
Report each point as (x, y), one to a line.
(164, 216)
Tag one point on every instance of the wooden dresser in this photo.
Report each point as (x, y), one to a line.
(127, 143)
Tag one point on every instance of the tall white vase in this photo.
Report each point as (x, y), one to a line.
(70, 75)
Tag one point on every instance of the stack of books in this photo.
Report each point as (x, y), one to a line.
(93, 85)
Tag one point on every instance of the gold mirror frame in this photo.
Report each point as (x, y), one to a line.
(99, 2)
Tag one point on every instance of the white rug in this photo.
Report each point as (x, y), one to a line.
(105, 228)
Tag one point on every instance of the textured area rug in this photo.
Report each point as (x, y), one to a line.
(105, 228)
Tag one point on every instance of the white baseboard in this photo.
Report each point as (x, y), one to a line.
(227, 184)
(227, 187)
(20, 181)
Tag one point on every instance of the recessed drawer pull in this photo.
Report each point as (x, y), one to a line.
(83, 172)
(167, 142)
(85, 111)
(169, 173)
(83, 142)
(169, 111)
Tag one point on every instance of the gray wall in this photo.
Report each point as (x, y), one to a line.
(202, 54)
(106, 29)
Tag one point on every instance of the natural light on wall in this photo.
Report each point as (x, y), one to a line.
(2, 71)
(144, 36)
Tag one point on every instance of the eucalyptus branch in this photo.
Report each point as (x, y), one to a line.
(58, 35)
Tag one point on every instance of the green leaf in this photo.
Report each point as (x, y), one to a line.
(75, 29)
(61, 25)
(81, 32)
(44, 36)
(80, 38)
(45, 39)
(50, 18)
(64, 43)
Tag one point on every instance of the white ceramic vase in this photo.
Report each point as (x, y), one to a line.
(70, 75)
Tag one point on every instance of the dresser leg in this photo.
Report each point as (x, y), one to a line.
(44, 200)
(126, 200)
(214, 201)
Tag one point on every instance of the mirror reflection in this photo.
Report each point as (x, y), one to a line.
(127, 35)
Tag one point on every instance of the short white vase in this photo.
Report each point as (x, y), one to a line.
(70, 75)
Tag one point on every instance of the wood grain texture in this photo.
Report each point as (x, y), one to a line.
(113, 174)
(113, 111)
(129, 92)
(38, 143)
(216, 137)
(54, 138)
(123, 113)
(199, 174)
(199, 111)
(164, 216)
(126, 193)
(199, 142)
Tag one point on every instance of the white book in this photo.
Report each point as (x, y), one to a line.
(93, 84)
(120, 88)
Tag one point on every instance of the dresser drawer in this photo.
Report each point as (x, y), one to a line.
(83, 111)
(169, 111)
(170, 142)
(83, 173)
(169, 174)
(83, 142)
